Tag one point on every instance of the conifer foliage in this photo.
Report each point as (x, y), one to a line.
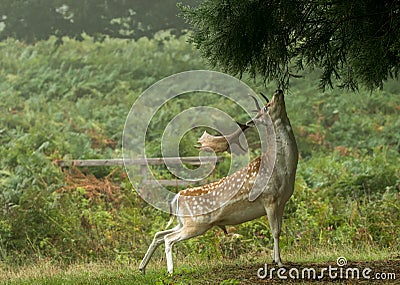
(354, 42)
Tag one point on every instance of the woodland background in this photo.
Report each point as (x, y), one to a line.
(71, 101)
(67, 83)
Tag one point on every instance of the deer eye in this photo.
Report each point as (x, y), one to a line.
(265, 108)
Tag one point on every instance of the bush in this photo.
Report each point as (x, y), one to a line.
(71, 102)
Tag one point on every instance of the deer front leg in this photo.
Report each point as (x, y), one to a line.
(275, 214)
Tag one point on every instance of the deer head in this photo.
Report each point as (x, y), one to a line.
(275, 109)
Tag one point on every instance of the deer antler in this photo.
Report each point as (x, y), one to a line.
(221, 143)
(255, 101)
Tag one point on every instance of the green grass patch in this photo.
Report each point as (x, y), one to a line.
(193, 271)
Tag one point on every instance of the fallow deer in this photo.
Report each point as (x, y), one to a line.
(261, 188)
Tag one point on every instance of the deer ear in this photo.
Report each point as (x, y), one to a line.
(265, 97)
(256, 102)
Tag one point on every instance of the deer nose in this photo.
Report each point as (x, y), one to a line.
(278, 91)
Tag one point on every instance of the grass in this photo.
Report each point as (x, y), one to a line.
(193, 270)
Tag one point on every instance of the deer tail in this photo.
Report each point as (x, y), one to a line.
(173, 210)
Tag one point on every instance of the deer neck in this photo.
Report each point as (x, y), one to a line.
(281, 145)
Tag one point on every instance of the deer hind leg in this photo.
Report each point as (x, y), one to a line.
(157, 240)
(275, 214)
(179, 235)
